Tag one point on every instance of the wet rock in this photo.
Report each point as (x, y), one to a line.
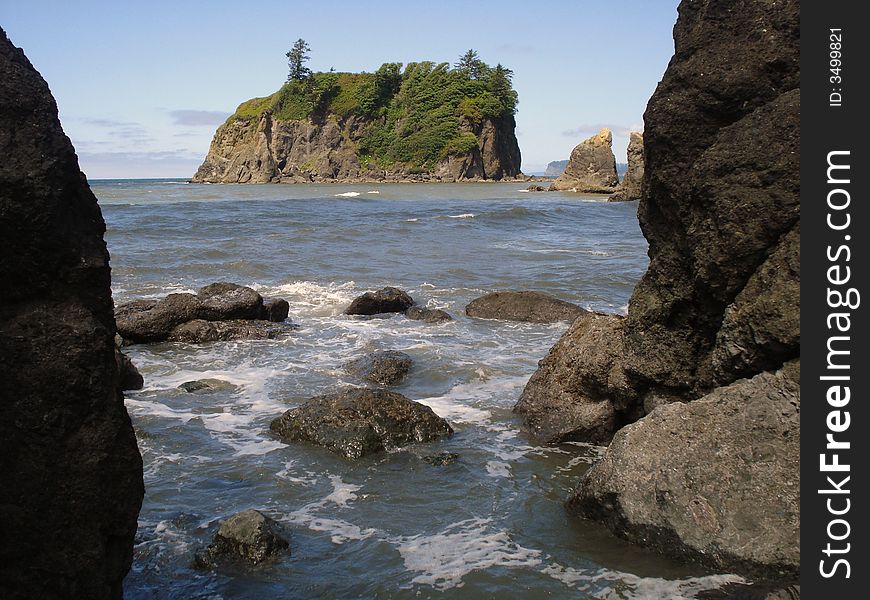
(224, 301)
(428, 315)
(199, 331)
(573, 394)
(275, 310)
(591, 168)
(356, 422)
(250, 537)
(536, 188)
(206, 386)
(533, 307)
(385, 300)
(442, 459)
(713, 480)
(630, 186)
(145, 321)
(70, 469)
(385, 367)
(129, 376)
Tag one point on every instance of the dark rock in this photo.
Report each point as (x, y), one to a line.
(442, 459)
(630, 186)
(591, 168)
(224, 301)
(199, 331)
(536, 188)
(428, 315)
(572, 396)
(356, 422)
(533, 307)
(207, 386)
(145, 321)
(249, 537)
(385, 367)
(70, 470)
(129, 377)
(275, 309)
(712, 480)
(385, 300)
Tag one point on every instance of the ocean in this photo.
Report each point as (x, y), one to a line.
(490, 525)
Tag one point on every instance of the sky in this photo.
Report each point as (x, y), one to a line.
(142, 86)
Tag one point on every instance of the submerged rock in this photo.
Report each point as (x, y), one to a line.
(249, 537)
(129, 377)
(630, 186)
(275, 310)
(591, 168)
(356, 422)
(385, 367)
(712, 480)
(70, 469)
(385, 300)
(428, 315)
(199, 331)
(442, 459)
(533, 307)
(207, 386)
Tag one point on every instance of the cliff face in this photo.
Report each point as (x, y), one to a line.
(630, 186)
(713, 328)
(591, 168)
(555, 168)
(270, 150)
(70, 470)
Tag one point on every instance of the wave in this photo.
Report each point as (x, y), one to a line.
(348, 195)
(462, 216)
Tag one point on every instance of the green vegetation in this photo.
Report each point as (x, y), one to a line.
(416, 116)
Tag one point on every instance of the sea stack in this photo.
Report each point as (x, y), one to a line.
(70, 470)
(591, 168)
(709, 353)
(630, 186)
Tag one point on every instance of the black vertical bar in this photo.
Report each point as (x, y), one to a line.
(834, 260)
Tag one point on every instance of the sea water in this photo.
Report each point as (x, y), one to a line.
(490, 525)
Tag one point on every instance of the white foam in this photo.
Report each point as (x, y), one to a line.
(462, 216)
(309, 298)
(496, 468)
(342, 492)
(373, 192)
(411, 220)
(340, 531)
(443, 559)
(347, 195)
(632, 587)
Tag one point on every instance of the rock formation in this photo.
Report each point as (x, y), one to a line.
(591, 168)
(531, 307)
(428, 315)
(70, 471)
(630, 186)
(356, 422)
(555, 168)
(249, 537)
(384, 300)
(716, 316)
(385, 367)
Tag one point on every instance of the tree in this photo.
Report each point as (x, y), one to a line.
(499, 80)
(296, 59)
(470, 64)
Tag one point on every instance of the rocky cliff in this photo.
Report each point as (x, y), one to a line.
(591, 168)
(710, 348)
(555, 168)
(630, 186)
(428, 123)
(70, 470)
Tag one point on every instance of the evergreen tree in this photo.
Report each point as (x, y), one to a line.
(470, 64)
(296, 59)
(499, 80)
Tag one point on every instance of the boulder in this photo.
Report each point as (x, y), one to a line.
(199, 331)
(385, 367)
(275, 310)
(129, 377)
(428, 315)
(356, 422)
(591, 168)
(714, 480)
(70, 469)
(224, 301)
(630, 186)
(249, 537)
(573, 394)
(533, 307)
(143, 321)
(385, 300)
(207, 386)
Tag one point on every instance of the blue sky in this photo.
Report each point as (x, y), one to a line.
(141, 86)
